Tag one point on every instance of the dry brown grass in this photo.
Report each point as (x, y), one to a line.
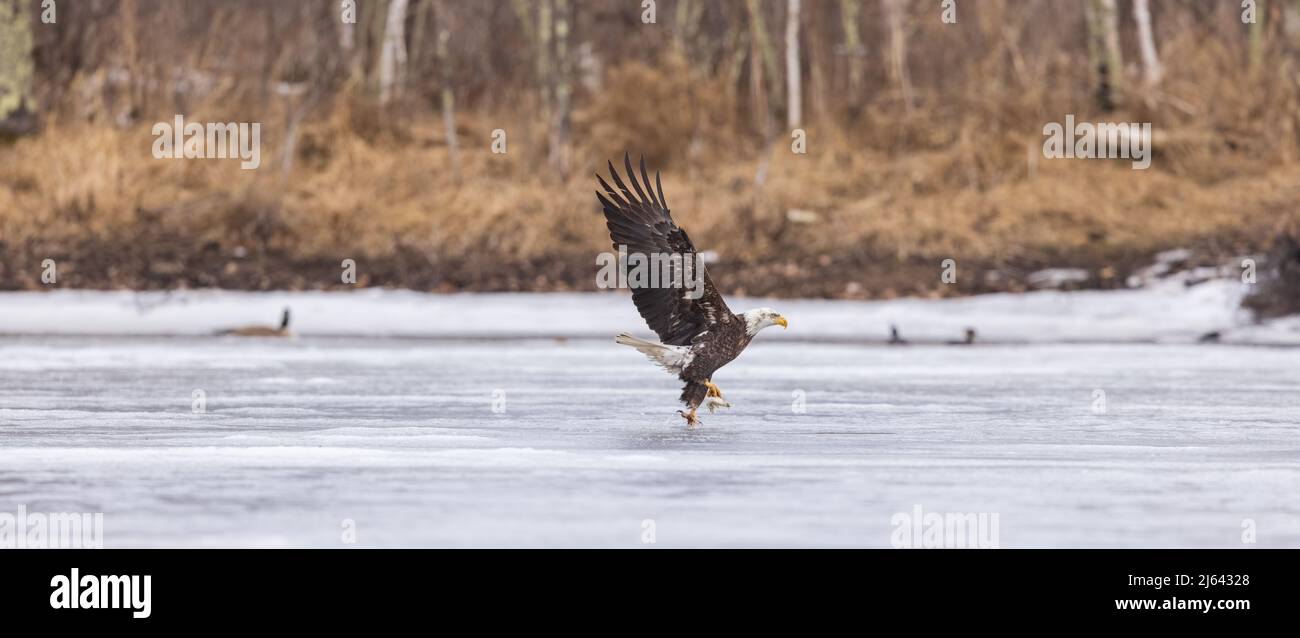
(893, 193)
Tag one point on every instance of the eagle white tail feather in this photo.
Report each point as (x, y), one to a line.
(670, 358)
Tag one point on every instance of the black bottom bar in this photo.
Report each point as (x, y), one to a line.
(194, 588)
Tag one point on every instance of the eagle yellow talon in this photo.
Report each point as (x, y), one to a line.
(691, 420)
(714, 399)
(714, 391)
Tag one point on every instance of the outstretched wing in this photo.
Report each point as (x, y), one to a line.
(638, 218)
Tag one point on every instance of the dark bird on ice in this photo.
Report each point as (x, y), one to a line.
(967, 339)
(895, 338)
(697, 332)
(261, 331)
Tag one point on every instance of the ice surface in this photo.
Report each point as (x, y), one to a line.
(1167, 311)
(400, 435)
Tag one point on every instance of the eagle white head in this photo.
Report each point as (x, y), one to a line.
(760, 318)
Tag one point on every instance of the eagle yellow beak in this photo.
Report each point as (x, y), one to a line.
(781, 320)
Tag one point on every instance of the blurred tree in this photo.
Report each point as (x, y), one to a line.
(737, 48)
(767, 98)
(376, 25)
(304, 87)
(849, 10)
(1104, 51)
(792, 72)
(15, 67)
(561, 91)
(895, 13)
(445, 78)
(421, 11)
(687, 28)
(130, 56)
(545, 32)
(392, 61)
(1151, 69)
(1257, 34)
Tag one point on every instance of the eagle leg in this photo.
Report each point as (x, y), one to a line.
(714, 399)
(714, 391)
(694, 394)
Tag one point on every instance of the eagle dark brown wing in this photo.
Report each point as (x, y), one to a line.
(639, 219)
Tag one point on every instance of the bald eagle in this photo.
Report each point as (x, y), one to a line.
(698, 333)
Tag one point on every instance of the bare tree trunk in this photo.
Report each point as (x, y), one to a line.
(1103, 49)
(794, 112)
(737, 47)
(1257, 35)
(302, 96)
(562, 89)
(130, 55)
(448, 96)
(817, 85)
(528, 26)
(525, 20)
(766, 53)
(894, 10)
(1114, 58)
(1151, 69)
(545, 28)
(370, 30)
(687, 28)
(762, 104)
(364, 34)
(849, 10)
(414, 56)
(392, 59)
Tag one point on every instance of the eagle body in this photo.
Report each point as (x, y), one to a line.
(698, 334)
(712, 349)
(695, 363)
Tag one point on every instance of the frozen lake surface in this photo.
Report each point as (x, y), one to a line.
(545, 442)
